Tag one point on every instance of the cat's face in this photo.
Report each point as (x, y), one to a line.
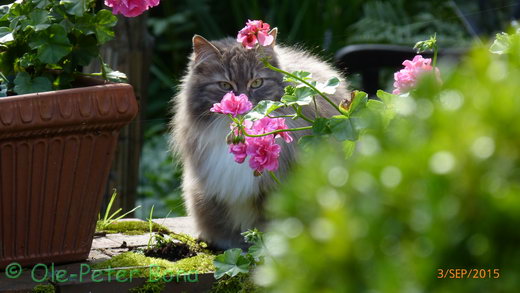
(224, 66)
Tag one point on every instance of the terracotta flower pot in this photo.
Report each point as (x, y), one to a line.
(56, 150)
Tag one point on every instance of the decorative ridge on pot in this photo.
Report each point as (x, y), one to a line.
(55, 111)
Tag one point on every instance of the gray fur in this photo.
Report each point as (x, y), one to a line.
(199, 135)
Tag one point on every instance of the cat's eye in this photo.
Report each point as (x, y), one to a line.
(225, 85)
(257, 83)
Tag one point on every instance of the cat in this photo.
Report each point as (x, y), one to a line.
(224, 197)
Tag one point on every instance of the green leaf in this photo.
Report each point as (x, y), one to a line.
(23, 84)
(257, 251)
(359, 101)
(85, 50)
(231, 263)
(300, 74)
(262, 109)
(5, 35)
(302, 96)
(42, 3)
(4, 10)
(321, 126)
(429, 44)
(38, 20)
(75, 7)
(329, 87)
(252, 236)
(104, 21)
(387, 98)
(342, 129)
(365, 119)
(115, 76)
(4, 31)
(384, 112)
(3, 89)
(308, 142)
(52, 44)
(376, 105)
(27, 60)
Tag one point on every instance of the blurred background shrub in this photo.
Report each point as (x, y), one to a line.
(438, 189)
(322, 27)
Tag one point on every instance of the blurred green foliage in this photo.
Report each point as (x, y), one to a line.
(159, 177)
(405, 22)
(438, 189)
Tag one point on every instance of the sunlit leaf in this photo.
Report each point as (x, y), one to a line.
(231, 263)
(263, 108)
(329, 87)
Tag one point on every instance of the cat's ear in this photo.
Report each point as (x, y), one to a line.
(273, 33)
(201, 46)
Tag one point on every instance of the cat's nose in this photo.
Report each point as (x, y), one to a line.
(243, 91)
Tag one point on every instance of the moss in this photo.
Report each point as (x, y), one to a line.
(156, 268)
(149, 287)
(131, 228)
(194, 244)
(240, 283)
(44, 289)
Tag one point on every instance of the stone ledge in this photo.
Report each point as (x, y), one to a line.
(103, 248)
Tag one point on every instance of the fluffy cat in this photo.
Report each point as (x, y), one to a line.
(224, 197)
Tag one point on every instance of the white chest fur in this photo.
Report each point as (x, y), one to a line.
(221, 176)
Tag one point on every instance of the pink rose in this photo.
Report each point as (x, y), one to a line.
(239, 151)
(255, 31)
(231, 104)
(263, 152)
(130, 8)
(406, 78)
(267, 124)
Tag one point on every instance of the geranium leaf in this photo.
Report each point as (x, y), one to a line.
(23, 84)
(300, 74)
(3, 89)
(84, 50)
(308, 142)
(39, 19)
(4, 31)
(321, 126)
(75, 7)
(104, 21)
(359, 101)
(113, 75)
(329, 87)
(302, 96)
(231, 263)
(52, 44)
(262, 109)
(41, 3)
(257, 252)
(342, 129)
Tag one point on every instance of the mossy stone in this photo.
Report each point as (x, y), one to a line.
(132, 228)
